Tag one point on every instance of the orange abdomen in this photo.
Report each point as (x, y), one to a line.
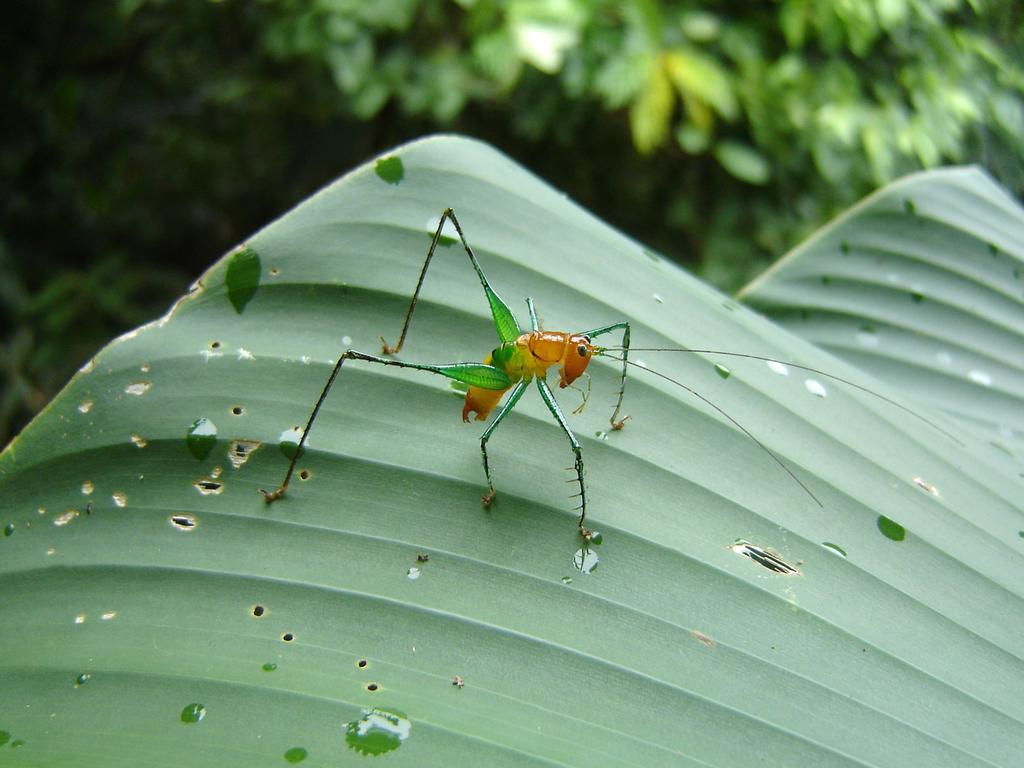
(481, 402)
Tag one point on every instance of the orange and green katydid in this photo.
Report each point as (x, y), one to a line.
(522, 357)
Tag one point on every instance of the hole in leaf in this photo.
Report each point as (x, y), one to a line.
(184, 522)
(766, 558)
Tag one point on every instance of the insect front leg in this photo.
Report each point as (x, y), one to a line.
(549, 400)
(616, 422)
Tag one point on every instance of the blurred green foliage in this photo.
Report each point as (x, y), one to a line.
(142, 138)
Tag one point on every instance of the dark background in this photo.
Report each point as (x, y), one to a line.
(144, 138)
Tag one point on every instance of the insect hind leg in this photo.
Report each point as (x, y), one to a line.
(549, 400)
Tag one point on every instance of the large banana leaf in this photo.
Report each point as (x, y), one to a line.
(921, 284)
(156, 612)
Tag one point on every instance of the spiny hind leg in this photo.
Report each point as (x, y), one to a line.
(549, 400)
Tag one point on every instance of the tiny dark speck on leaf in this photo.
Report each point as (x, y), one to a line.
(390, 169)
(243, 277)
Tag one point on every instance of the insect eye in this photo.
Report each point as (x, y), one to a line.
(582, 350)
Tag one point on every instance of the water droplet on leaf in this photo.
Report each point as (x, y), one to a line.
(201, 437)
(193, 713)
(980, 377)
(815, 387)
(390, 169)
(834, 548)
(243, 277)
(288, 442)
(585, 560)
(377, 731)
(867, 336)
(891, 529)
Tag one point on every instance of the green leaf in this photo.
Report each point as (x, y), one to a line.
(743, 162)
(701, 80)
(378, 606)
(651, 111)
(925, 288)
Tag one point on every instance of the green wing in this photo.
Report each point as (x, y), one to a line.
(476, 374)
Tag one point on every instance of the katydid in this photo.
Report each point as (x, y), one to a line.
(522, 357)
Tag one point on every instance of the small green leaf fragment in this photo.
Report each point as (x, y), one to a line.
(193, 713)
(8, 529)
(909, 207)
(201, 437)
(891, 529)
(917, 296)
(722, 371)
(834, 547)
(4, 737)
(243, 277)
(295, 755)
(390, 169)
(269, 666)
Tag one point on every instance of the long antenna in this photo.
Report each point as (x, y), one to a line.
(832, 376)
(739, 426)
